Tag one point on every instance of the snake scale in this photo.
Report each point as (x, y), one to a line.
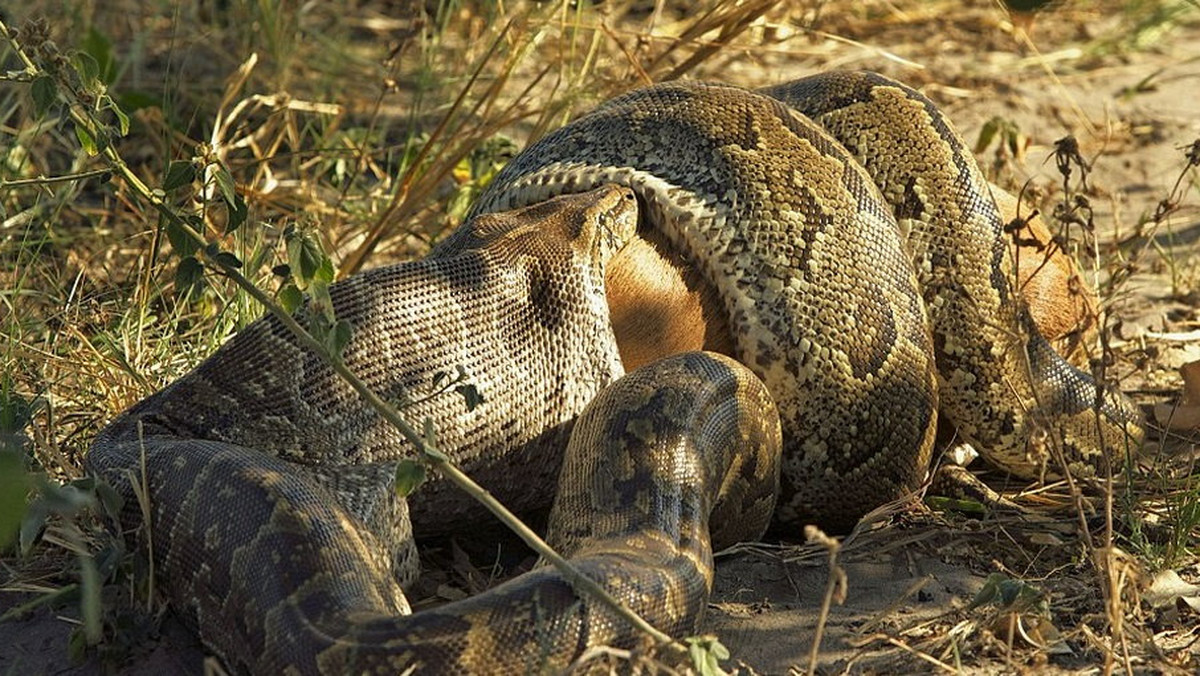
(852, 250)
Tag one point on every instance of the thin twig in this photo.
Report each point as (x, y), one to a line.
(835, 588)
(47, 180)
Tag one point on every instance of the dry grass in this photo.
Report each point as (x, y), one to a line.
(374, 128)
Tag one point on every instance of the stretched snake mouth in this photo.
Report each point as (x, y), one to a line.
(660, 304)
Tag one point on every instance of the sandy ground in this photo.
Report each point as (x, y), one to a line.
(767, 600)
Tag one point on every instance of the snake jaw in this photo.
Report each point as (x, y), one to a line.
(610, 222)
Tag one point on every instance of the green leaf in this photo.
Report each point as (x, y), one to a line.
(179, 174)
(14, 490)
(237, 214)
(32, 523)
(103, 139)
(86, 141)
(77, 645)
(122, 118)
(182, 241)
(86, 484)
(87, 67)
(111, 556)
(225, 184)
(228, 260)
(110, 500)
(65, 499)
(410, 474)
(988, 592)
(986, 134)
(45, 94)
(429, 434)
(16, 412)
(706, 653)
(305, 257)
(320, 305)
(189, 276)
(340, 337)
(941, 503)
(324, 273)
(291, 298)
(470, 395)
(89, 601)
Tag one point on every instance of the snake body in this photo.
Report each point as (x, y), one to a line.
(521, 307)
(328, 604)
(859, 265)
(874, 279)
(1001, 383)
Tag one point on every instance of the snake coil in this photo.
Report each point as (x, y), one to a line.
(860, 266)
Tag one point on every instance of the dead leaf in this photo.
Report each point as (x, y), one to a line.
(450, 593)
(1168, 588)
(1186, 414)
(1046, 539)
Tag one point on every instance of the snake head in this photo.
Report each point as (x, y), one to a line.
(591, 226)
(607, 220)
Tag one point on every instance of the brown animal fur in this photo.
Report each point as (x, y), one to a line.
(1064, 310)
(660, 306)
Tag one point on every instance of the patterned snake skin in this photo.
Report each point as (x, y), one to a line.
(862, 269)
